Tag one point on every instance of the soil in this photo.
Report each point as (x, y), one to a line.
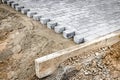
(22, 40)
(104, 65)
(101, 64)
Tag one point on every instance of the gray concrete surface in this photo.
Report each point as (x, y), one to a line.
(89, 18)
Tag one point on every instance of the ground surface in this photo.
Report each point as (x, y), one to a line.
(21, 41)
(101, 64)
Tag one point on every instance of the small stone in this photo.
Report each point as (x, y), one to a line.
(94, 64)
(87, 72)
(100, 66)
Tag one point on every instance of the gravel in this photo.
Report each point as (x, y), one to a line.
(102, 64)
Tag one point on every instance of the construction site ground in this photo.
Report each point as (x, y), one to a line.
(22, 40)
(100, 64)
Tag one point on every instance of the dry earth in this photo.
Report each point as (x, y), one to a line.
(101, 64)
(21, 41)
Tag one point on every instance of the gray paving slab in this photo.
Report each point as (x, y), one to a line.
(44, 20)
(51, 25)
(19, 8)
(78, 39)
(10, 2)
(68, 33)
(31, 13)
(25, 10)
(59, 29)
(14, 4)
(84, 20)
(36, 17)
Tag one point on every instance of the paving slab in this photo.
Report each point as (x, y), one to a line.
(83, 16)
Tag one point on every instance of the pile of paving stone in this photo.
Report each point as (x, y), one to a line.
(82, 20)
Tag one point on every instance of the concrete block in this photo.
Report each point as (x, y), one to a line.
(24, 10)
(14, 5)
(51, 24)
(18, 8)
(44, 20)
(5, 1)
(79, 39)
(10, 2)
(31, 13)
(68, 33)
(37, 17)
(59, 29)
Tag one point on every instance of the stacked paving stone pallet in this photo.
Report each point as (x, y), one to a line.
(82, 20)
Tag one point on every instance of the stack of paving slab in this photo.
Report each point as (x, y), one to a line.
(82, 20)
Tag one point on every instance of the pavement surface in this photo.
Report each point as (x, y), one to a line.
(82, 20)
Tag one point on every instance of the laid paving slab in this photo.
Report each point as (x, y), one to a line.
(84, 17)
(14, 5)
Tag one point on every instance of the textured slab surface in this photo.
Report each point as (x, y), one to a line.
(86, 19)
